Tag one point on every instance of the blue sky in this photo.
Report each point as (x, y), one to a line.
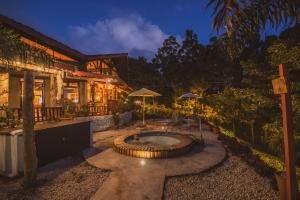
(111, 26)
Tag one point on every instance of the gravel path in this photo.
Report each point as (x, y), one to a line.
(234, 180)
(66, 179)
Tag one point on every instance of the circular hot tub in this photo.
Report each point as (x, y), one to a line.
(153, 144)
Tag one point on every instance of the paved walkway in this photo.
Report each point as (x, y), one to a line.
(136, 178)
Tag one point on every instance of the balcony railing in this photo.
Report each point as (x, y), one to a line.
(40, 114)
(91, 110)
(47, 114)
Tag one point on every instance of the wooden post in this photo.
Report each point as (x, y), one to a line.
(144, 101)
(30, 159)
(289, 147)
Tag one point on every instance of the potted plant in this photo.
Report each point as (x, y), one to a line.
(69, 109)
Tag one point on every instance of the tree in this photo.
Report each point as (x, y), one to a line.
(242, 18)
(167, 63)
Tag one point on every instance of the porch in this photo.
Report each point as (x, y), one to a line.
(56, 97)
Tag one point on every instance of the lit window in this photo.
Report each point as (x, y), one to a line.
(71, 92)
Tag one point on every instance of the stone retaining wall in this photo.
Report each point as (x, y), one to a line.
(101, 123)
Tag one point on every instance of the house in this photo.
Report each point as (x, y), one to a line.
(66, 81)
(86, 81)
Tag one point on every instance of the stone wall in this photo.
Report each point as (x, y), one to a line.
(101, 123)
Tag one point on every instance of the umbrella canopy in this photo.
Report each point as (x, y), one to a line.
(188, 96)
(144, 93)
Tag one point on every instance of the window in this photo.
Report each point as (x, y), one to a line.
(71, 92)
(98, 94)
(39, 92)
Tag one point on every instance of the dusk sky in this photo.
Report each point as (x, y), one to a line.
(111, 26)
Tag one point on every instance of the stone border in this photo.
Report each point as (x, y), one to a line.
(121, 146)
(104, 122)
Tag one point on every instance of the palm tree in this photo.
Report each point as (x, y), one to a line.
(243, 17)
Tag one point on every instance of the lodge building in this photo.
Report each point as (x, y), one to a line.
(89, 81)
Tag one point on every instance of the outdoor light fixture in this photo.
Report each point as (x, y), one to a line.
(137, 102)
(142, 162)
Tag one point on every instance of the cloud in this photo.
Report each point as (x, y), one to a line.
(122, 34)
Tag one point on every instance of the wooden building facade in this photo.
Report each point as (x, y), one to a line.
(89, 82)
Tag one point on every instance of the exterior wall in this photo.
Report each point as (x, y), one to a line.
(88, 91)
(4, 86)
(14, 92)
(83, 93)
(47, 93)
(51, 91)
(101, 123)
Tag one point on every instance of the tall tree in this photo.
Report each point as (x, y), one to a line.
(243, 18)
(167, 63)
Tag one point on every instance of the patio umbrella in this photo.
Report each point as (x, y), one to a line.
(188, 96)
(144, 93)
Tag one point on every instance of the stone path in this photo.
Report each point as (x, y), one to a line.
(136, 178)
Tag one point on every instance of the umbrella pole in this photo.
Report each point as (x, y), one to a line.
(143, 110)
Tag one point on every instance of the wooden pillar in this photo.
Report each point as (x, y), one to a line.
(83, 93)
(289, 146)
(30, 158)
(14, 92)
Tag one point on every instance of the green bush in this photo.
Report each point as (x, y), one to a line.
(159, 110)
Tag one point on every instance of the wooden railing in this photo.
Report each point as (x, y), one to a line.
(92, 110)
(47, 114)
(40, 114)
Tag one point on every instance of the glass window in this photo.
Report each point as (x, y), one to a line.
(38, 100)
(71, 92)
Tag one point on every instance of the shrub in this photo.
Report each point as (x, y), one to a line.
(159, 110)
(116, 119)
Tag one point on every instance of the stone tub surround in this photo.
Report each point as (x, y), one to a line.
(144, 151)
(139, 178)
(104, 122)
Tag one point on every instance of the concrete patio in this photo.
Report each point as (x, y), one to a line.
(136, 178)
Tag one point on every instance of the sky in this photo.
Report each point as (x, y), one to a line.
(138, 27)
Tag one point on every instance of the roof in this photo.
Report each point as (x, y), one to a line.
(104, 56)
(45, 40)
(117, 80)
(34, 35)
